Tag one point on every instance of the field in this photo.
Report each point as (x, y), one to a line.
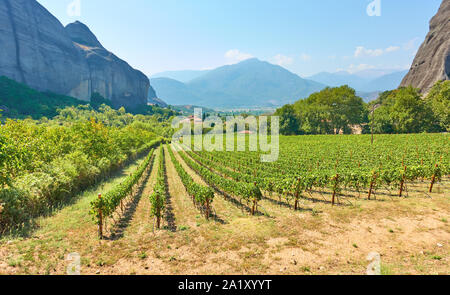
(321, 208)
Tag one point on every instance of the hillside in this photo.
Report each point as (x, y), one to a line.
(386, 82)
(182, 76)
(254, 83)
(18, 100)
(174, 92)
(364, 81)
(339, 79)
(251, 83)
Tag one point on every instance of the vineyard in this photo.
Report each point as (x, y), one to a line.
(320, 163)
(175, 210)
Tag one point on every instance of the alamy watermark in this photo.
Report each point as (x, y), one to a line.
(74, 267)
(374, 268)
(257, 133)
(374, 8)
(74, 8)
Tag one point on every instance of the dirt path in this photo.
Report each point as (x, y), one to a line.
(184, 209)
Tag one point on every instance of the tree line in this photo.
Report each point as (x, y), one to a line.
(340, 110)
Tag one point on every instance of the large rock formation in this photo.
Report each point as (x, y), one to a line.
(432, 62)
(110, 76)
(37, 50)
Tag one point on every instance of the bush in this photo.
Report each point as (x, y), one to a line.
(44, 163)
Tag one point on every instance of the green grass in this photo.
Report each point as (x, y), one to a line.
(436, 257)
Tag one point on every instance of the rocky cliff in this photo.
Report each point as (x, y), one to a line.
(110, 76)
(432, 62)
(38, 51)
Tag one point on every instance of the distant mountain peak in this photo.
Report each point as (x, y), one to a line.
(251, 60)
(250, 83)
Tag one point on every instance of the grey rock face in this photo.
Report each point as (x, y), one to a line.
(110, 76)
(432, 62)
(36, 49)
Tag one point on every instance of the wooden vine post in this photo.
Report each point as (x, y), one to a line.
(207, 209)
(158, 213)
(100, 219)
(433, 179)
(297, 194)
(334, 190)
(372, 183)
(402, 182)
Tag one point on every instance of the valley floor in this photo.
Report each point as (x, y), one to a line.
(411, 234)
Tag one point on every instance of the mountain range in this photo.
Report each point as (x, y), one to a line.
(255, 83)
(182, 76)
(250, 83)
(364, 81)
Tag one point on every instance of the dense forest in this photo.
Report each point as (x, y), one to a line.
(339, 109)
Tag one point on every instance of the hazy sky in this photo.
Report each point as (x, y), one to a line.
(305, 36)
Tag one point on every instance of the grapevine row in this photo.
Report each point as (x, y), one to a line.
(104, 206)
(293, 184)
(202, 196)
(248, 192)
(158, 197)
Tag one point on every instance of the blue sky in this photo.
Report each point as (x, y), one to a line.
(304, 36)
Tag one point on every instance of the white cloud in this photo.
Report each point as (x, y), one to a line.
(282, 60)
(235, 56)
(392, 48)
(361, 51)
(305, 57)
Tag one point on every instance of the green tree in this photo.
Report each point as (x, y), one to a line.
(402, 111)
(289, 123)
(331, 110)
(97, 100)
(439, 99)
